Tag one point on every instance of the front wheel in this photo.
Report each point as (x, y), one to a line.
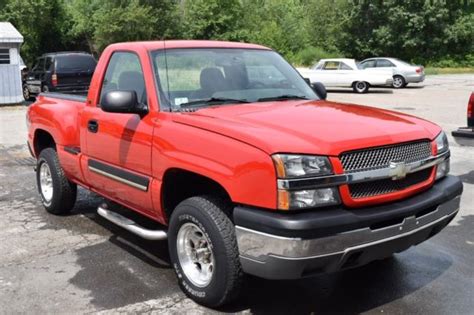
(361, 87)
(203, 251)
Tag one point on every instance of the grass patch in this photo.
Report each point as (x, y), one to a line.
(435, 70)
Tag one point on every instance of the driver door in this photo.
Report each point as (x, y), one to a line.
(118, 145)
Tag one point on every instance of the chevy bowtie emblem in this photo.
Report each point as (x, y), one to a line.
(398, 170)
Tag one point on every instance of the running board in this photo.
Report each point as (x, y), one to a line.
(131, 226)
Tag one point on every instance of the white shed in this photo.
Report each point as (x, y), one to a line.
(10, 62)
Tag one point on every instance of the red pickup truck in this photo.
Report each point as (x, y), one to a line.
(246, 166)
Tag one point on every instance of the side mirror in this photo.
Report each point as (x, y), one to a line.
(125, 102)
(320, 89)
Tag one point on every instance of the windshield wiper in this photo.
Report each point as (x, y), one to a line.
(283, 97)
(208, 101)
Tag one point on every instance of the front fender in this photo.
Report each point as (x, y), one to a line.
(246, 172)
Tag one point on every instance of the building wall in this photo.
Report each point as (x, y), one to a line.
(10, 77)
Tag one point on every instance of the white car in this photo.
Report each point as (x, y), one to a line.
(343, 72)
(403, 72)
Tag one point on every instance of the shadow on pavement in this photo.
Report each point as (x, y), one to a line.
(350, 91)
(128, 269)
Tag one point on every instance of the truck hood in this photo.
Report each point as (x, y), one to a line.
(311, 127)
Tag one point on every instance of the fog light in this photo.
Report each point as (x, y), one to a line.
(309, 198)
(442, 169)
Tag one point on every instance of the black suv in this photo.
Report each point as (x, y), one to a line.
(68, 72)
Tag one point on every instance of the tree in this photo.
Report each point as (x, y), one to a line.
(130, 22)
(41, 22)
(212, 19)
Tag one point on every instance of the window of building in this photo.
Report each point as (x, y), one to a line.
(4, 56)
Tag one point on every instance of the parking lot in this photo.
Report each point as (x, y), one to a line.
(81, 263)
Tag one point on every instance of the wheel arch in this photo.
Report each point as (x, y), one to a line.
(179, 184)
(42, 139)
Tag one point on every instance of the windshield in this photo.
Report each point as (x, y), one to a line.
(216, 76)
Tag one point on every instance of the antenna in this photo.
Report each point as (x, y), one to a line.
(167, 77)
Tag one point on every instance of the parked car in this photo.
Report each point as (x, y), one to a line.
(465, 135)
(345, 73)
(403, 72)
(68, 72)
(246, 169)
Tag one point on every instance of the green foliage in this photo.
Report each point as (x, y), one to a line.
(307, 56)
(434, 32)
(416, 30)
(131, 22)
(41, 22)
(280, 24)
(211, 19)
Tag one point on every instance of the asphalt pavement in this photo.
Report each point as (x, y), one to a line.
(80, 263)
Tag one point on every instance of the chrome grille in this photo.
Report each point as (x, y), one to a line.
(380, 157)
(386, 186)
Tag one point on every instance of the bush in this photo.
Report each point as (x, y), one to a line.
(454, 62)
(310, 55)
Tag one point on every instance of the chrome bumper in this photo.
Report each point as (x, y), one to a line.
(259, 248)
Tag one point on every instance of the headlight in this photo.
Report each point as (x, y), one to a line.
(292, 165)
(442, 142)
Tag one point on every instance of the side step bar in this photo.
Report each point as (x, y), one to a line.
(129, 225)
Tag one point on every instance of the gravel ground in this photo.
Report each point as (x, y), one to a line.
(82, 264)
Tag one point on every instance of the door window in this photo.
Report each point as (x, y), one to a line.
(39, 66)
(383, 63)
(367, 64)
(331, 65)
(345, 67)
(124, 73)
(48, 63)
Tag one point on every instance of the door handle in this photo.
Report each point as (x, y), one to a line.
(93, 126)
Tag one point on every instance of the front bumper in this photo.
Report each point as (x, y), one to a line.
(291, 246)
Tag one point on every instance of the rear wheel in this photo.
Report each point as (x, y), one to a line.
(360, 87)
(203, 250)
(58, 194)
(398, 82)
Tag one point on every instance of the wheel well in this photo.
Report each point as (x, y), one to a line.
(179, 185)
(43, 140)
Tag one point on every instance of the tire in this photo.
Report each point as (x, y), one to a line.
(360, 87)
(215, 233)
(45, 89)
(26, 93)
(59, 196)
(398, 82)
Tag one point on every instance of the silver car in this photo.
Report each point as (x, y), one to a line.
(403, 72)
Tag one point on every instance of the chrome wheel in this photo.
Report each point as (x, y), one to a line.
(361, 86)
(46, 183)
(195, 254)
(398, 82)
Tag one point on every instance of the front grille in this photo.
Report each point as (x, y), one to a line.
(380, 157)
(387, 185)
